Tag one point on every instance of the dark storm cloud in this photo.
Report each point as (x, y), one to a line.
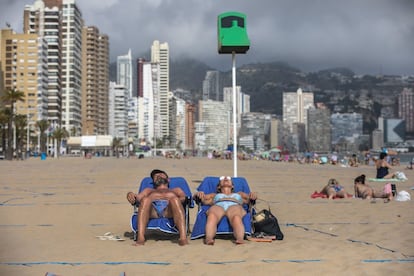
(368, 36)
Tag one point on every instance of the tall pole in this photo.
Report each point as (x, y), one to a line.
(234, 114)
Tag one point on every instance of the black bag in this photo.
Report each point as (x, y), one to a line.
(264, 222)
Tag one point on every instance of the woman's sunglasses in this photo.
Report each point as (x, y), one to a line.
(225, 177)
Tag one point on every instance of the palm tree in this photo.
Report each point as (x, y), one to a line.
(10, 97)
(20, 123)
(43, 125)
(4, 118)
(116, 143)
(59, 134)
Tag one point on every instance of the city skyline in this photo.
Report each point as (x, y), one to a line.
(368, 37)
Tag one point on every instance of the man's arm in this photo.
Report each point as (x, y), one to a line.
(143, 194)
(180, 194)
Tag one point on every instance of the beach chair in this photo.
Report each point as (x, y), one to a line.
(209, 185)
(164, 225)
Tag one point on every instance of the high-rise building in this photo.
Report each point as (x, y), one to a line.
(95, 83)
(118, 111)
(319, 129)
(216, 121)
(60, 23)
(242, 102)
(211, 86)
(190, 111)
(44, 18)
(295, 106)
(406, 109)
(346, 131)
(124, 72)
(140, 81)
(23, 60)
(148, 110)
(255, 131)
(160, 55)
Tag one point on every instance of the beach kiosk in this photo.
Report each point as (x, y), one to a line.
(232, 39)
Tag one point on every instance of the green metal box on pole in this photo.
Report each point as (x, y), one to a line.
(232, 34)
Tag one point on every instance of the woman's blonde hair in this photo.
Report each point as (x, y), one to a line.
(332, 182)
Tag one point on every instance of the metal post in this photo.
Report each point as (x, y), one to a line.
(234, 114)
(27, 138)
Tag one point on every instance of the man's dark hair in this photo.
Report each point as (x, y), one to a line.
(154, 172)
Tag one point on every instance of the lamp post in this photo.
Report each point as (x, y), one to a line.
(232, 39)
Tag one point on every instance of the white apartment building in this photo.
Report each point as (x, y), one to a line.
(242, 102)
(44, 19)
(160, 54)
(148, 104)
(295, 106)
(118, 111)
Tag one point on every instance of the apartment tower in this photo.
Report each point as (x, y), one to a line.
(95, 82)
(160, 55)
(60, 23)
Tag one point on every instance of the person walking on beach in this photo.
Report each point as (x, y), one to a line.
(160, 201)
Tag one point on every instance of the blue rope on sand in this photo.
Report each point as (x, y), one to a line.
(292, 261)
(82, 263)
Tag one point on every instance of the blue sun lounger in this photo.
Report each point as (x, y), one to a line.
(209, 185)
(165, 225)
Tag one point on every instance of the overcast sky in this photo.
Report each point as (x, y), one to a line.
(367, 36)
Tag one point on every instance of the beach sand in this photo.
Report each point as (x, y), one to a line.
(52, 210)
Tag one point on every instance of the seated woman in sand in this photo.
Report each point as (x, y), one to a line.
(225, 202)
(383, 167)
(365, 191)
(333, 189)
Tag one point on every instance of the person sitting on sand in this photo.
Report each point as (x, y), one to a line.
(383, 167)
(333, 189)
(160, 201)
(365, 191)
(225, 202)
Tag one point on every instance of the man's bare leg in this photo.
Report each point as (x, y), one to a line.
(178, 214)
(144, 211)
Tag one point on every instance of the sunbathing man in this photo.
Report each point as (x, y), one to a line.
(161, 201)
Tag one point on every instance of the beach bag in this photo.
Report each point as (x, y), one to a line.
(401, 176)
(265, 223)
(403, 196)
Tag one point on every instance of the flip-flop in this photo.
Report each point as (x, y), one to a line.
(108, 236)
(259, 239)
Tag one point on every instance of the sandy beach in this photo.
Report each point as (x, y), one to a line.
(52, 210)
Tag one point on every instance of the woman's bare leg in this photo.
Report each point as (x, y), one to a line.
(235, 215)
(214, 215)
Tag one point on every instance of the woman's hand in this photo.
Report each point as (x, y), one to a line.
(200, 195)
(253, 196)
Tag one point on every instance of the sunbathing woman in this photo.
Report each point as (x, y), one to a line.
(333, 189)
(225, 203)
(365, 191)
